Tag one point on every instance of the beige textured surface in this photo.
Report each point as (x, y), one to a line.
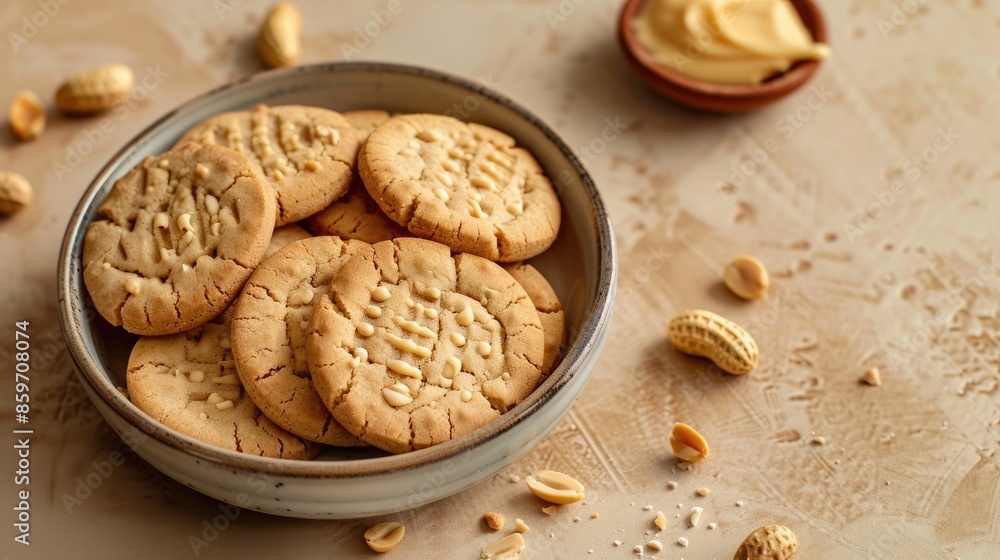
(915, 293)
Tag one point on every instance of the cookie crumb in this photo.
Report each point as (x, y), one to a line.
(817, 440)
(739, 503)
(702, 492)
(872, 377)
(515, 478)
(595, 515)
(576, 520)
(637, 549)
(617, 542)
(671, 485)
(549, 510)
(712, 525)
(682, 541)
(494, 520)
(647, 507)
(655, 545)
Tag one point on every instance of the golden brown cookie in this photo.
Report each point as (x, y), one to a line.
(178, 236)
(465, 185)
(366, 120)
(417, 346)
(269, 333)
(306, 154)
(355, 216)
(283, 236)
(188, 382)
(550, 311)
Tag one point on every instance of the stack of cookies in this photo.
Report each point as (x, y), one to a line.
(400, 316)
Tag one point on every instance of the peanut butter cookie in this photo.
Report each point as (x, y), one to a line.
(366, 120)
(355, 216)
(188, 382)
(269, 332)
(550, 311)
(178, 236)
(465, 185)
(306, 154)
(283, 236)
(415, 346)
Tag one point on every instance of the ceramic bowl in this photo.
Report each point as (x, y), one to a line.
(707, 96)
(350, 483)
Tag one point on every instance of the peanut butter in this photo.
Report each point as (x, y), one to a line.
(740, 42)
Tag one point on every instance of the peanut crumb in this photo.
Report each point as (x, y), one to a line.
(671, 485)
(595, 515)
(872, 377)
(682, 541)
(655, 545)
(494, 520)
(660, 521)
(702, 492)
(549, 510)
(520, 526)
(818, 440)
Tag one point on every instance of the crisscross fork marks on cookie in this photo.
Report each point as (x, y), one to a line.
(457, 332)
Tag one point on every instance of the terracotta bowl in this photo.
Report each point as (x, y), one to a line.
(711, 97)
(349, 482)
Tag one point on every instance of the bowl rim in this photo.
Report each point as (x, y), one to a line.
(69, 295)
(798, 74)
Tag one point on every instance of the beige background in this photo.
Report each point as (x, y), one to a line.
(862, 277)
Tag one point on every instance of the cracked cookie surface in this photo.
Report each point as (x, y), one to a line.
(465, 185)
(416, 346)
(305, 154)
(269, 331)
(178, 236)
(188, 382)
(285, 235)
(550, 311)
(355, 215)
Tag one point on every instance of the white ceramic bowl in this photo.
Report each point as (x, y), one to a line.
(582, 267)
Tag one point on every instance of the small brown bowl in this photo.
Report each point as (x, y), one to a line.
(711, 97)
